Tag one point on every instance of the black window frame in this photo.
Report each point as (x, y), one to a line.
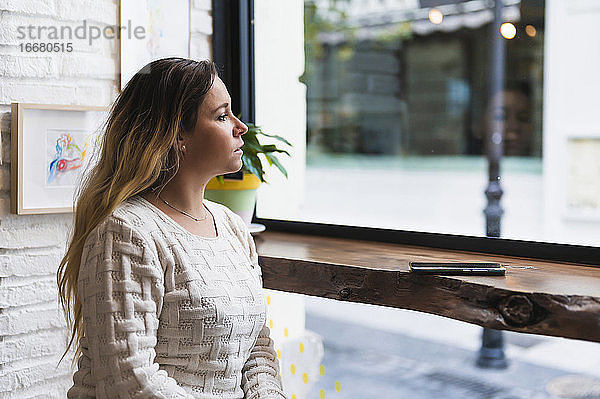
(233, 51)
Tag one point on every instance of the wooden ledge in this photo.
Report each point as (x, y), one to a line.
(559, 299)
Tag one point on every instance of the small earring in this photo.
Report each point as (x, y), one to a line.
(183, 148)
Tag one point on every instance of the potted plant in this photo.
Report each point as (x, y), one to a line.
(237, 190)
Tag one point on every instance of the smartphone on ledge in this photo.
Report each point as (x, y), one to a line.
(458, 268)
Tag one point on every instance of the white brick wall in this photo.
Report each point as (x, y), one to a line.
(32, 326)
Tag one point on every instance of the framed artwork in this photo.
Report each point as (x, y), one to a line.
(51, 148)
(583, 177)
(154, 29)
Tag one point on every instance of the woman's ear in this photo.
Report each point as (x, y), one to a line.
(180, 143)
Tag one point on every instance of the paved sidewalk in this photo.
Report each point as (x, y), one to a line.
(379, 352)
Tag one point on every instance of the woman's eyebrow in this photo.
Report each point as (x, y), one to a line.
(224, 105)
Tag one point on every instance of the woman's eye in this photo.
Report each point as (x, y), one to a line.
(222, 117)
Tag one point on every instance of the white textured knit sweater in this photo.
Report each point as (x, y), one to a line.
(170, 314)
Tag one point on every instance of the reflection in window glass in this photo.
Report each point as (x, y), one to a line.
(399, 111)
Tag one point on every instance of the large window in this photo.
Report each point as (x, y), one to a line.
(389, 108)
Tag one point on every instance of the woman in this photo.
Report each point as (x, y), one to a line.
(162, 287)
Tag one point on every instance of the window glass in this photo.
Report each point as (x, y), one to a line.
(389, 109)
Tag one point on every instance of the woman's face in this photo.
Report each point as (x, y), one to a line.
(210, 147)
(513, 118)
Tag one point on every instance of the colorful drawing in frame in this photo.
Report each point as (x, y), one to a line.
(66, 153)
(52, 148)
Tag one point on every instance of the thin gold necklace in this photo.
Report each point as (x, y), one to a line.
(183, 212)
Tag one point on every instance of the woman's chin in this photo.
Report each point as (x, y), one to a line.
(236, 169)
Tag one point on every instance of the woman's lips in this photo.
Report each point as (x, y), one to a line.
(238, 151)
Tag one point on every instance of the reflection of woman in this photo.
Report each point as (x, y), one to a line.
(512, 117)
(165, 286)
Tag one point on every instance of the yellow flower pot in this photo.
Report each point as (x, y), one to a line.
(237, 195)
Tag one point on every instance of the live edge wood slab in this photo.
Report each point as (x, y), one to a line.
(559, 299)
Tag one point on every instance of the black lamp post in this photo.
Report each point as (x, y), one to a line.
(491, 354)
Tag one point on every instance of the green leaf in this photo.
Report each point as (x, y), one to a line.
(284, 151)
(250, 138)
(269, 148)
(273, 160)
(252, 148)
(277, 137)
(251, 167)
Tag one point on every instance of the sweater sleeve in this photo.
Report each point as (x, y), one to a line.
(121, 287)
(260, 373)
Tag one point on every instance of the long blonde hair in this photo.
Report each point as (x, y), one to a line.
(138, 153)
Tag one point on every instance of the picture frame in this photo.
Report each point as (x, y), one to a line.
(51, 148)
(166, 33)
(582, 171)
